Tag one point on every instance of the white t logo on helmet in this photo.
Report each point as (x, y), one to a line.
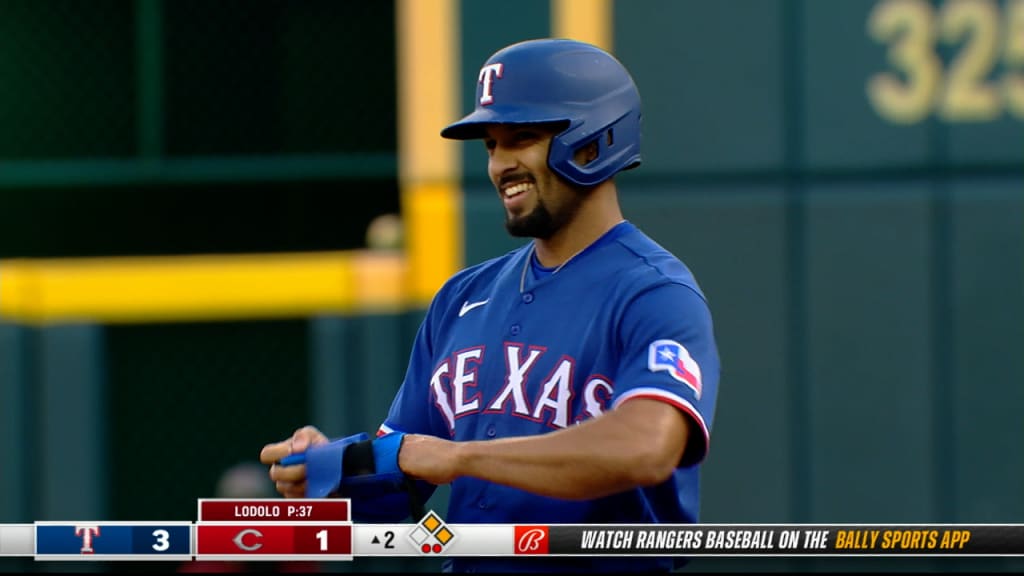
(487, 75)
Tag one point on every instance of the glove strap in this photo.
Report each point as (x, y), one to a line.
(324, 465)
(360, 467)
(371, 470)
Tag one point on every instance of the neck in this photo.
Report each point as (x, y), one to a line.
(599, 214)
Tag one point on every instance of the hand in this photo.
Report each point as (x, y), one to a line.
(429, 458)
(291, 480)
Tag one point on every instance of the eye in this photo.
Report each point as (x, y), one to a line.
(522, 136)
(490, 143)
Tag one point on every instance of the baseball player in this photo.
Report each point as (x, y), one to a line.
(572, 380)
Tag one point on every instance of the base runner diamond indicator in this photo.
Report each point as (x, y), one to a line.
(431, 535)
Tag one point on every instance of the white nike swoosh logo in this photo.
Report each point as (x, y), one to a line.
(467, 306)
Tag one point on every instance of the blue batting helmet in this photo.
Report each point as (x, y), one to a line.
(561, 81)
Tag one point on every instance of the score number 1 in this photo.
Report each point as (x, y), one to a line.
(911, 29)
(321, 537)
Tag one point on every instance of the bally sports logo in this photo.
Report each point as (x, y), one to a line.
(532, 539)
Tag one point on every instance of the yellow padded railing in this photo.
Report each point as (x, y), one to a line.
(201, 287)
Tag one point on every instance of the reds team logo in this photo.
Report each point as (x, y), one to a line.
(248, 544)
(487, 75)
(532, 540)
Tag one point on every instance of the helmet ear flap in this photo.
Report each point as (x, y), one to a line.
(618, 148)
(587, 153)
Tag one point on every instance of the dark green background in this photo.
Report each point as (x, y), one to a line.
(866, 279)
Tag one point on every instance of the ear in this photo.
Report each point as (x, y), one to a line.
(586, 154)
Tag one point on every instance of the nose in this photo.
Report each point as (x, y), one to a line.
(500, 161)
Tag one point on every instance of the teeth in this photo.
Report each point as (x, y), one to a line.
(517, 189)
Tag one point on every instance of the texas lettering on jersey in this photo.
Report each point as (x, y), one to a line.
(454, 384)
(504, 352)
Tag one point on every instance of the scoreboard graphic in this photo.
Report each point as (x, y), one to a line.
(322, 529)
(112, 540)
(273, 529)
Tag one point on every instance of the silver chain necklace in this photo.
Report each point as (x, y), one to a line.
(533, 250)
(529, 257)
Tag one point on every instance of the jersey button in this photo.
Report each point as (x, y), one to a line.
(528, 297)
(483, 505)
(515, 329)
(491, 431)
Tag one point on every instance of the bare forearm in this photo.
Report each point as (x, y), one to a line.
(638, 444)
(562, 464)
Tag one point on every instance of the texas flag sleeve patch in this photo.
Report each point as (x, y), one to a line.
(672, 357)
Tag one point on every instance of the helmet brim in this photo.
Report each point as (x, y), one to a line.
(474, 125)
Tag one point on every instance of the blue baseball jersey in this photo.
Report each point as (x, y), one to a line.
(506, 351)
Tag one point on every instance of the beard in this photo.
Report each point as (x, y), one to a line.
(543, 222)
(538, 223)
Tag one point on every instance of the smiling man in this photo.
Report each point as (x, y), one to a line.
(572, 380)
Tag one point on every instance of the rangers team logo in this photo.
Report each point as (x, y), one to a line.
(87, 533)
(487, 75)
(674, 358)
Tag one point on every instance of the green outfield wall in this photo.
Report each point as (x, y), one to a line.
(845, 179)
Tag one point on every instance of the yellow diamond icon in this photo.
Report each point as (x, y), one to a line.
(431, 522)
(443, 535)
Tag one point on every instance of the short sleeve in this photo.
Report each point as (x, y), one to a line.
(668, 353)
(413, 410)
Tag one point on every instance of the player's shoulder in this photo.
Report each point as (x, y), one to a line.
(653, 264)
(485, 273)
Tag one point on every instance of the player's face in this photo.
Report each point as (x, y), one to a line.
(537, 201)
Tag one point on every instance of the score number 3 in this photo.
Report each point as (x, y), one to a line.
(910, 29)
(163, 540)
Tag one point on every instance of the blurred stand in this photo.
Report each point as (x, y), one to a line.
(385, 232)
